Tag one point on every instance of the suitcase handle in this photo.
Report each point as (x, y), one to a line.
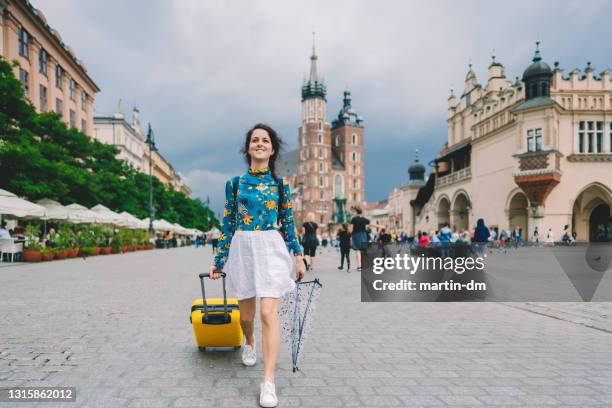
(205, 305)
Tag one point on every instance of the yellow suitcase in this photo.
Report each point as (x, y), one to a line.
(216, 321)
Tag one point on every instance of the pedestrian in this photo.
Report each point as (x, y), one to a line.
(536, 237)
(309, 239)
(359, 236)
(424, 240)
(3, 231)
(567, 239)
(445, 239)
(324, 239)
(385, 239)
(550, 239)
(259, 263)
(344, 237)
(517, 236)
(215, 234)
(481, 236)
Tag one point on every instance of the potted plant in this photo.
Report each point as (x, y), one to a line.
(32, 247)
(47, 254)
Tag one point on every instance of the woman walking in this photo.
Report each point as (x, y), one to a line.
(359, 237)
(253, 253)
(481, 236)
(309, 239)
(344, 236)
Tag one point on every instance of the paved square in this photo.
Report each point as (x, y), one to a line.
(117, 328)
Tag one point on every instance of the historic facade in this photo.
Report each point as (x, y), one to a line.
(52, 77)
(327, 170)
(535, 152)
(133, 149)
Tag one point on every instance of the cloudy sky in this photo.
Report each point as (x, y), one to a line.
(202, 72)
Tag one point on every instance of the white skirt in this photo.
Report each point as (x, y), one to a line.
(260, 265)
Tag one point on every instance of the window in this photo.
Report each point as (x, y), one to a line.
(42, 90)
(468, 99)
(590, 136)
(83, 126)
(599, 137)
(58, 76)
(534, 140)
(320, 139)
(354, 139)
(321, 167)
(354, 183)
(59, 107)
(42, 61)
(320, 181)
(320, 153)
(337, 140)
(83, 100)
(321, 194)
(338, 186)
(320, 125)
(354, 197)
(72, 87)
(24, 77)
(72, 118)
(24, 41)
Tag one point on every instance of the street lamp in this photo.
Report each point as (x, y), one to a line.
(151, 143)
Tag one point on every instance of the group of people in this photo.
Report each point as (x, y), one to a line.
(482, 236)
(353, 235)
(211, 237)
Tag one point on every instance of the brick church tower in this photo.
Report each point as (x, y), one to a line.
(315, 162)
(326, 171)
(348, 169)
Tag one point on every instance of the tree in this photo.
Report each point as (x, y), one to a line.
(41, 157)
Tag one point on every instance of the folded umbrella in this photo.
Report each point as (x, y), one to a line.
(296, 316)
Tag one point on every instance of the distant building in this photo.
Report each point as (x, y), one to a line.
(52, 77)
(131, 142)
(327, 170)
(128, 138)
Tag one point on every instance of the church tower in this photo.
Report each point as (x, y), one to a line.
(314, 140)
(347, 157)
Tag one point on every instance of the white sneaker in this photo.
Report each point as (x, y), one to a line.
(249, 356)
(267, 396)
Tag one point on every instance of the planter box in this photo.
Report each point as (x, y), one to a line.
(105, 250)
(48, 256)
(63, 254)
(31, 255)
(73, 252)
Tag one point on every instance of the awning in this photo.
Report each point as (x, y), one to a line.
(17, 207)
(53, 210)
(77, 214)
(106, 216)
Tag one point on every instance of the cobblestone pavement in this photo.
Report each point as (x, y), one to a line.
(117, 328)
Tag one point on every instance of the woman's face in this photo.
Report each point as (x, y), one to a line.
(260, 146)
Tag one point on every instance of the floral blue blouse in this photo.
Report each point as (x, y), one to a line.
(256, 209)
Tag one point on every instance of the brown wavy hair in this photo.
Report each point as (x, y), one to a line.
(277, 145)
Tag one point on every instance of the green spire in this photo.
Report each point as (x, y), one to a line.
(536, 56)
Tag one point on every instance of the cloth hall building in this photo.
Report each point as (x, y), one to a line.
(535, 152)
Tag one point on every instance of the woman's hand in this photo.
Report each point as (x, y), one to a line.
(300, 268)
(215, 273)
